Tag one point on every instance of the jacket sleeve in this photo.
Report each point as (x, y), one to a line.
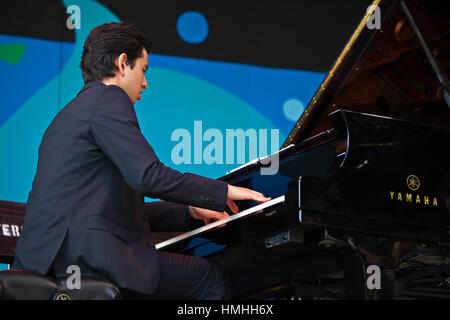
(167, 216)
(115, 129)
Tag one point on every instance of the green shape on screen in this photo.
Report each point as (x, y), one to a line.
(12, 53)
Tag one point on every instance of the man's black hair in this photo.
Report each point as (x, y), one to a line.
(105, 43)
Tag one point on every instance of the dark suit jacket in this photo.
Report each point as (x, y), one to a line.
(94, 169)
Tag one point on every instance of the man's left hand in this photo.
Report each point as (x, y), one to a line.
(206, 215)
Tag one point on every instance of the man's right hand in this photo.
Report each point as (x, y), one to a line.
(239, 193)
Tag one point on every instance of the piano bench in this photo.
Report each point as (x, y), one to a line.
(23, 285)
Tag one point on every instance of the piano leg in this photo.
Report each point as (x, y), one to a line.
(354, 275)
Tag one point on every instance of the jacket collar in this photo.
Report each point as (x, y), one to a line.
(91, 84)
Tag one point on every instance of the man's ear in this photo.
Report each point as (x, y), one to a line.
(121, 63)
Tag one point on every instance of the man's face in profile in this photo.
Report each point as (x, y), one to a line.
(134, 81)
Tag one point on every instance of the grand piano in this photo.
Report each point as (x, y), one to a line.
(360, 203)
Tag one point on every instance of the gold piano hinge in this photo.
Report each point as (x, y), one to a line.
(306, 114)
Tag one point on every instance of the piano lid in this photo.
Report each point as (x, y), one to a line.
(385, 72)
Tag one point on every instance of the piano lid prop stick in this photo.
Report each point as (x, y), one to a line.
(443, 81)
(218, 223)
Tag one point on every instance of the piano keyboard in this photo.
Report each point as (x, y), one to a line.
(254, 210)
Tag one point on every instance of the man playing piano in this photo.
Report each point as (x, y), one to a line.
(86, 206)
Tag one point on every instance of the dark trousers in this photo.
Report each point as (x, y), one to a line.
(187, 278)
(182, 278)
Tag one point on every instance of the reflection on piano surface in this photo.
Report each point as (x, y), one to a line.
(363, 180)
